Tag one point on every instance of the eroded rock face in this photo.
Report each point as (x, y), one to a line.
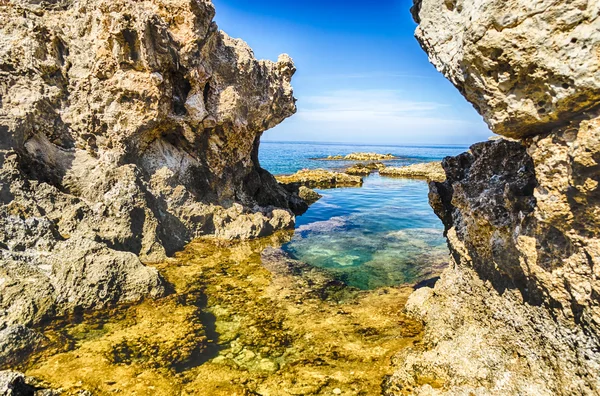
(518, 310)
(526, 66)
(127, 128)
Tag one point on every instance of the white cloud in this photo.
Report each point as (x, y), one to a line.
(368, 108)
(379, 116)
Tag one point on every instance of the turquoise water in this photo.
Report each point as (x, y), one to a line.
(381, 234)
(284, 158)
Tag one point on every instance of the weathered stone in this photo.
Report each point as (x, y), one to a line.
(320, 178)
(13, 383)
(127, 128)
(525, 66)
(364, 169)
(517, 311)
(360, 157)
(17, 342)
(431, 171)
(310, 196)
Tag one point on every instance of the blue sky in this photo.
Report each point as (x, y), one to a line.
(362, 77)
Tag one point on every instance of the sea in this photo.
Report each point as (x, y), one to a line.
(381, 234)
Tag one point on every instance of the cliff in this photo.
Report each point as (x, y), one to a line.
(127, 128)
(518, 310)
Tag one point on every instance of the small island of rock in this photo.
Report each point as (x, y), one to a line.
(431, 171)
(320, 178)
(362, 169)
(359, 157)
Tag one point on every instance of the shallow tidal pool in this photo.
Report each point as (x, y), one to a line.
(314, 311)
(381, 234)
(243, 319)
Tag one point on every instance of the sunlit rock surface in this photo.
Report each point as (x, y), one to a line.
(431, 171)
(309, 196)
(364, 169)
(526, 66)
(320, 178)
(518, 310)
(360, 157)
(127, 128)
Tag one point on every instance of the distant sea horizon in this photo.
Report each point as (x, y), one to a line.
(317, 142)
(286, 157)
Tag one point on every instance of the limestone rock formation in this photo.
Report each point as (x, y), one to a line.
(309, 195)
(17, 342)
(13, 383)
(526, 66)
(431, 171)
(360, 157)
(518, 311)
(319, 178)
(127, 128)
(364, 169)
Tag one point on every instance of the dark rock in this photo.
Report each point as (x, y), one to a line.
(17, 342)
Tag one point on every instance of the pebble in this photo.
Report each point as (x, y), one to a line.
(337, 391)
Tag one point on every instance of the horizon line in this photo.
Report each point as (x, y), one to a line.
(372, 144)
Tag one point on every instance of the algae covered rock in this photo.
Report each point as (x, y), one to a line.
(320, 178)
(310, 196)
(271, 325)
(369, 157)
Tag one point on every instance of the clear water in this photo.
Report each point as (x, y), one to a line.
(381, 234)
(282, 158)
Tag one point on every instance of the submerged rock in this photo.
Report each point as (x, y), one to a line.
(431, 171)
(127, 128)
(320, 178)
(517, 312)
(262, 322)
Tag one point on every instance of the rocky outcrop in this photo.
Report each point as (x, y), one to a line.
(527, 67)
(364, 169)
(518, 311)
(127, 128)
(319, 178)
(13, 383)
(431, 171)
(360, 157)
(309, 196)
(17, 342)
